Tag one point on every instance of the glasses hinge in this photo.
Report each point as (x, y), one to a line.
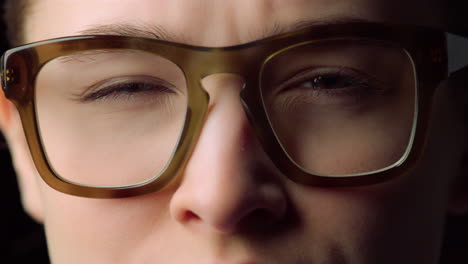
(9, 75)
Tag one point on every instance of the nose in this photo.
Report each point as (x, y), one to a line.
(228, 182)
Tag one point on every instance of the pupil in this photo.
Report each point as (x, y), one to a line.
(331, 82)
(325, 82)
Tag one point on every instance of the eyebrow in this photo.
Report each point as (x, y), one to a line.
(145, 30)
(278, 28)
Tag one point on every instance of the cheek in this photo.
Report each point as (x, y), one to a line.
(406, 211)
(103, 229)
(364, 223)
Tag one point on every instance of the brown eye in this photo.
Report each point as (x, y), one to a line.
(331, 82)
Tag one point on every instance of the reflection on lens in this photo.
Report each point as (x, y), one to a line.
(340, 108)
(110, 117)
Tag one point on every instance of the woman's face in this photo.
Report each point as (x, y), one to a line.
(232, 205)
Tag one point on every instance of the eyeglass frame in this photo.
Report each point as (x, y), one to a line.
(426, 47)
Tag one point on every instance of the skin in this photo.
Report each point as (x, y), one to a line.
(238, 208)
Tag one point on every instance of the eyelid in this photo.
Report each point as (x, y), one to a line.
(306, 74)
(101, 88)
(316, 71)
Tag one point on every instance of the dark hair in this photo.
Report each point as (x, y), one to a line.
(14, 13)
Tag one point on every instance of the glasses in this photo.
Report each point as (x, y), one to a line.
(118, 116)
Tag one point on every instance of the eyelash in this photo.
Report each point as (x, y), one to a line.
(360, 83)
(126, 88)
(123, 88)
(292, 94)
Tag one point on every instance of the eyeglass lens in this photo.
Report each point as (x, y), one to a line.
(341, 107)
(110, 117)
(114, 117)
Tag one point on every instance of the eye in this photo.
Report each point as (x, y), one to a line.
(328, 86)
(128, 87)
(331, 80)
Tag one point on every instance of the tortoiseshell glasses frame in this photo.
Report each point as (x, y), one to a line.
(20, 67)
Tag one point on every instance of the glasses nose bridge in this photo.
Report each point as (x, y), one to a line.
(231, 62)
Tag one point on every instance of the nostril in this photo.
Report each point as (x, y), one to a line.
(189, 216)
(259, 215)
(259, 220)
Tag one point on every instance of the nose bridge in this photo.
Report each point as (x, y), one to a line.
(220, 189)
(231, 187)
(223, 84)
(223, 75)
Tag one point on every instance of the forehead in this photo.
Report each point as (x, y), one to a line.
(218, 23)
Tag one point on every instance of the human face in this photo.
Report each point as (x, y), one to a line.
(239, 208)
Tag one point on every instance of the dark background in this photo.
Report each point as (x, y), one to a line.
(24, 241)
